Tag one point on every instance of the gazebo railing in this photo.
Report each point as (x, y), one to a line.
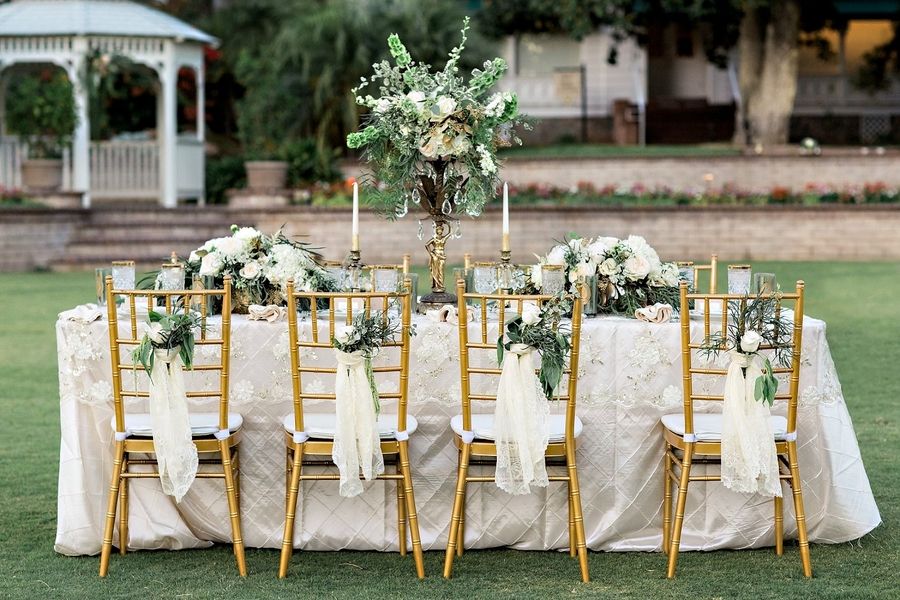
(121, 169)
(10, 163)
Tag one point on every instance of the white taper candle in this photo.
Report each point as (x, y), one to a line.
(354, 245)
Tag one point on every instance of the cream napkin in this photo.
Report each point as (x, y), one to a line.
(449, 314)
(270, 313)
(658, 313)
(85, 313)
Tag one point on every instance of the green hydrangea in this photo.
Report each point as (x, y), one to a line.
(362, 138)
(398, 51)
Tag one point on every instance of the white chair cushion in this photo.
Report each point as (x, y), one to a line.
(322, 425)
(708, 426)
(202, 424)
(483, 426)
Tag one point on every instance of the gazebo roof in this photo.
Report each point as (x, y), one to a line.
(93, 17)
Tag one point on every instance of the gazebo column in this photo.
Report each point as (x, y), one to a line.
(199, 78)
(81, 139)
(167, 128)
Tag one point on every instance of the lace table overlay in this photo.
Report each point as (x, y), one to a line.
(629, 376)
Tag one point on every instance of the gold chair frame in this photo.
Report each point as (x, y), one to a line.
(486, 450)
(224, 451)
(713, 269)
(395, 449)
(681, 453)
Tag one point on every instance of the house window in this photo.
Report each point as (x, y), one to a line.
(546, 54)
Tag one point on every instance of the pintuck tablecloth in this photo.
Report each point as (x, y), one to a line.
(629, 376)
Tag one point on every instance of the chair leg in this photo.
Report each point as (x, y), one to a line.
(798, 509)
(779, 525)
(287, 541)
(667, 500)
(234, 512)
(572, 535)
(411, 509)
(461, 533)
(287, 477)
(123, 509)
(575, 499)
(679, 509)
(461, 475)
(236, 469)
(401, 513)
(111, 504)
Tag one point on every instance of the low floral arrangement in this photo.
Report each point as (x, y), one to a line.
(432, 137)
(260, 266)
(629, 273)
(367, 334)
(540, 328)
(168, 332)
(752, 323)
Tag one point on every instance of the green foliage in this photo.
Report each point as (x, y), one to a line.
(40, 107)
(308, 163)
(548, 336)
(223, 173)
(121, 94)
(166, 333)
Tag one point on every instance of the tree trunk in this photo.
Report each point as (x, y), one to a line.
(768, 72)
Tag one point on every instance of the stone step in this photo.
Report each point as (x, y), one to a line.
(194, 216)
(120, 234)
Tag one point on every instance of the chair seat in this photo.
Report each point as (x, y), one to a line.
(483, 427)
(708, 426)
(202, 424)
(322, 425)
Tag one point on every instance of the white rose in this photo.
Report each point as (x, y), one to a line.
(194, 257)
(417, 98)
(609, 242)
(211, 264)
(344, 334)
(155, 333)
(460, 145)
(382, 105)
(670, 275)
(443, 108)
(433, 147)
(750, 341)
(251, 270)
(557, 256)
(597, 251)
(247, 233)
(608, 267)
(531, 314)
(636, 267)
(231, 247)
(537, 276)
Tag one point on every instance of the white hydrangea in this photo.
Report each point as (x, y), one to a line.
(247, 234)
(488, 166)
(287, 262)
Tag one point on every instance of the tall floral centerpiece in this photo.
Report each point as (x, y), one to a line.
(431, 139)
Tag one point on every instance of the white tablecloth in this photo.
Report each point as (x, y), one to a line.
(629, 376)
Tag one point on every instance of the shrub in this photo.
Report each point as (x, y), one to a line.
(223, 173)
(307, 163)
(40, 107)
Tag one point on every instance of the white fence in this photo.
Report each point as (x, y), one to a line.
(119, 169)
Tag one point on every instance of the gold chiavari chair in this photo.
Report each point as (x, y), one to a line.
(473, 433)
(693, 438)
(216, 434)
(712, 270)
(309, 436)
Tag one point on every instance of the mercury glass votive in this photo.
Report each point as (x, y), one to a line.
(686, 273)
(171, 276)
(386, 278)
(123, 274)
(590, 303)
(485, 278)
(739, 279)
(553, 279)
(337, 272)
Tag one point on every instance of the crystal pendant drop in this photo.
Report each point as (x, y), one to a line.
(421, 233)
(473, 210)
(445, 207)
(415, 196)
(403, 208)
(457, 230)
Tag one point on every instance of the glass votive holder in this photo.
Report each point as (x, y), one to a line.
(123, 274)
(739, 279)
(354, 278)
(553, 279)
(485, 280)
(764, 283)
(171, 276)
(686, 272)
(590, 303)
(386, 278)
(100, 283)
(337, 272)
(505, 276)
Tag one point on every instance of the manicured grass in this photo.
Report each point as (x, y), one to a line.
(858, 300)
(574, 150)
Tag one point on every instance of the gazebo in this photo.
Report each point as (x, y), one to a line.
(64, 33)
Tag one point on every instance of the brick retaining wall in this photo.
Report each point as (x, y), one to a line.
(36, 238)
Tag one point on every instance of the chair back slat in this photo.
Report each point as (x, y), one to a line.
(693, 367)
(354, 303)
(711, 270)
(128, 338)
(487, 346)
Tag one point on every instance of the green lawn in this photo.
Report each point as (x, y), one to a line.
(857, 299)
(575, 150)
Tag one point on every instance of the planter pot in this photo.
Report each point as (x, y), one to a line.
(42, 174)
(266, 174)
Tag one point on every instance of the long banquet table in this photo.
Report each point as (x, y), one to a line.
(629, 376)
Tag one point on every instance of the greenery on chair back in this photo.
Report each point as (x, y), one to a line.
(40, 107)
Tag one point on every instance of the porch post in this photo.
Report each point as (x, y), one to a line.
(200, 78)
(81, 140)
(167, 128)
